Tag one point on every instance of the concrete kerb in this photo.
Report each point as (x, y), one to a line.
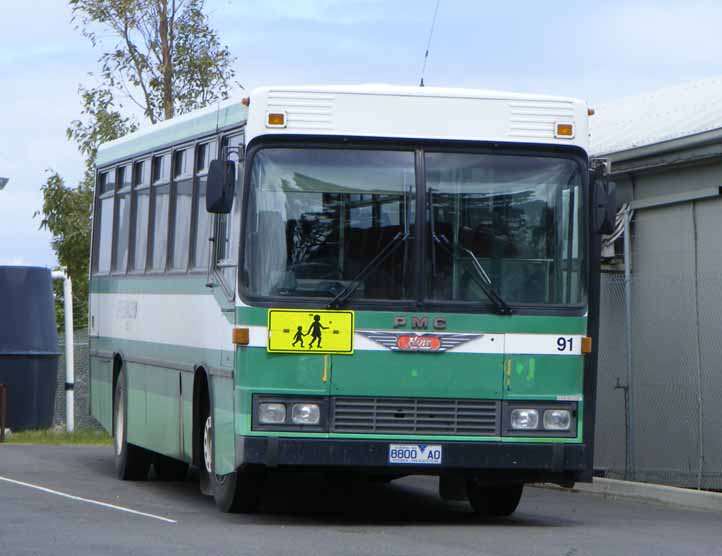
(661, 494)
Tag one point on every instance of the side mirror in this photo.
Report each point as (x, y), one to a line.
(605, 205)
(220, 186)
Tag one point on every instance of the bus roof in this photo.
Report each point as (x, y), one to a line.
(201, 122)
(408, 112)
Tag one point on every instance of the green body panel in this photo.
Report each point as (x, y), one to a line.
(417, 375)
(101, 389)
(543, 377)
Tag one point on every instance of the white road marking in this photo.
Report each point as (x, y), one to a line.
(80, 499)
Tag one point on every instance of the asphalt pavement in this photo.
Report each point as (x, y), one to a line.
(66, 500)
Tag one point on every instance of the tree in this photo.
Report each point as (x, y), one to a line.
(167, 60)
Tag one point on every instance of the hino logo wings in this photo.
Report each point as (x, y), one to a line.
(435, 342)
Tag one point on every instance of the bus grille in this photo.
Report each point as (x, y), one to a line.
(416, 416)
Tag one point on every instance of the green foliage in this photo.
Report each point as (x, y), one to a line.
(66, 212)
(101, 122)
(165, 57)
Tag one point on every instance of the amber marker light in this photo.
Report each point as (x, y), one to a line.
(246, 101)
(276, 119)
(586, 344)
(565, 130)
(241, 336)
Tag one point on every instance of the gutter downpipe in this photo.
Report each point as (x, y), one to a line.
(628, 332)
(69, 349)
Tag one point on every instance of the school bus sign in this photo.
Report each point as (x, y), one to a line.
(310, 331)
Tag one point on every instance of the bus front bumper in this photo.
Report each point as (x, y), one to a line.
(329, 452)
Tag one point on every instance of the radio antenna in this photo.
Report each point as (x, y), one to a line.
(428, 43)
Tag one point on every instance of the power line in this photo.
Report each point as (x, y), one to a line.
(428, 43)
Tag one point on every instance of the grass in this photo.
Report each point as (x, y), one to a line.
(50, 436)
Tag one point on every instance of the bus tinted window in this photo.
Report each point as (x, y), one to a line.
(140, 176)
(182, 163)
(203, 231)
(107, 181)
(161, 167)
(105, 233)
(140, 247)
(201, 249)
(122, 231)
(182, 224)
(161, 206)
(123, 177)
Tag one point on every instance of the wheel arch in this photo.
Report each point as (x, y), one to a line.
(118, 360)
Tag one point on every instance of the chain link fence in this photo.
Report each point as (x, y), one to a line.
(83, 419)
(659, 387)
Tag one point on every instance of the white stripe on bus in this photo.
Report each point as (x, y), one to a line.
(195, 320)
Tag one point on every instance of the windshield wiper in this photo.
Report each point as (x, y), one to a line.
(502, 307)
(343, 296)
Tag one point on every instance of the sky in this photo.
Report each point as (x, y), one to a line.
(598, 51)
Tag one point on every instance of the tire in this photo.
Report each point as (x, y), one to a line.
(169, 469)
(494, 501)
(131, 462)
(237, 492)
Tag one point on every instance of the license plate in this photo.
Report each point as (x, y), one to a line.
(425, 454)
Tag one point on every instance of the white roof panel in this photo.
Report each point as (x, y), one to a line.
(656, 117)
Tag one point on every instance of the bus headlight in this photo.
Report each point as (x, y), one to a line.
(271, 413)
(524, 419)
(305, 414)
(557, 419)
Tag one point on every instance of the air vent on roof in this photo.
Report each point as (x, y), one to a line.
(537, 118)
(303, 110)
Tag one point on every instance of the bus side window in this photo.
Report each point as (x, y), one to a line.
(104, 221)
(182, 202)
(228, 225)
(140, 215)
(202, 219)
(122, 218)
(160, 204)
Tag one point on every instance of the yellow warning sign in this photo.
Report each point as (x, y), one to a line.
(305, 331)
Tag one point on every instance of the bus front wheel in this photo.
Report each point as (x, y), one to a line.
(237, 492)
(131, 462)
(495, 501)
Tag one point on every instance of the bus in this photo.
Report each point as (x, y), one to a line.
(368, 282)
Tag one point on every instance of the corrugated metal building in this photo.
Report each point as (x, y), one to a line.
(661, 329)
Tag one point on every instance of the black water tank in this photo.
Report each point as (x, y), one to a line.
(28, 346)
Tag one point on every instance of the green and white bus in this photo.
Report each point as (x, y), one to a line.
(369, 281)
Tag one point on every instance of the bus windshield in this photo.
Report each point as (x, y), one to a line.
(519, 218)
(317, 217)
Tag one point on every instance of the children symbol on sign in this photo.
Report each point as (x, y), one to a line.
(315, 331)
(298, 336)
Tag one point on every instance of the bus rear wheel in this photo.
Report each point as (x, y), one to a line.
(494, 501)
(131, 462)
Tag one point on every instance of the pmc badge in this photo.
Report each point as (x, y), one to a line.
(424, 343)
